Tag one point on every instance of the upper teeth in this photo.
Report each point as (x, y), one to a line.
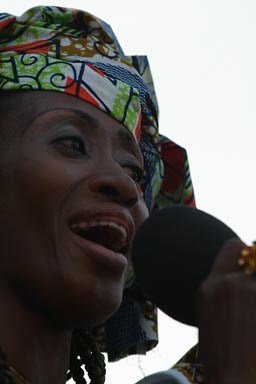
(86, 225)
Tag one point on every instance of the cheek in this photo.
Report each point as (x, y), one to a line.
(140, 213)
(31, 194)
(43, 179)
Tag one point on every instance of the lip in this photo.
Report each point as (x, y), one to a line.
(98, 251)
(101, 254)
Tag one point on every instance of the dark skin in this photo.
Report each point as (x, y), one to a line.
(65, 165)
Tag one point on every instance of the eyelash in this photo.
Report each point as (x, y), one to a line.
(137, 174)
(79, 150)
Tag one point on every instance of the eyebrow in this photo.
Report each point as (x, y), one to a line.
(84, 115)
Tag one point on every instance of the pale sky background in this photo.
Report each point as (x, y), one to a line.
(203, 59)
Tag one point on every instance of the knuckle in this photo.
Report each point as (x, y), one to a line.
(222, 285)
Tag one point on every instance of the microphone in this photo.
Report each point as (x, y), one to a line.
(172, 254)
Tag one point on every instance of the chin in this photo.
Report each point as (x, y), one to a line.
(92, 313)
(79, 302)
(94, 306)
(87, 319)
(99, 314)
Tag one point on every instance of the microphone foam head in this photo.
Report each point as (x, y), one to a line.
(172, 254)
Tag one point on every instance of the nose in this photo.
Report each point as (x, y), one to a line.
(115, 184)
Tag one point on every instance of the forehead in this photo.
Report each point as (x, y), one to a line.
(30, 105)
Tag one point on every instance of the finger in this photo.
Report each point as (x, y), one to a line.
(227, 259)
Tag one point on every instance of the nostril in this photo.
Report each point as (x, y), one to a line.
(131, 202)
(115, 184)
(114, 193)
(109, 190)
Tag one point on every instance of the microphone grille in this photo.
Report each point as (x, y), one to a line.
(172, 254)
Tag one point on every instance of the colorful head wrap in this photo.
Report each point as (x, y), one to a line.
(71, 51)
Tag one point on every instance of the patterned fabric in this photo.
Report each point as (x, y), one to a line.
(190, 368)
(71, 51)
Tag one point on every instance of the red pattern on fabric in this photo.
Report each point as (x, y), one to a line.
(138, 128)
(174, 173)
(190, 200)
(96, 70)
(35, 47)
(6, 22)
(83, 94)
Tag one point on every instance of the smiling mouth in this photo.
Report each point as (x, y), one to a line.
(105, 232)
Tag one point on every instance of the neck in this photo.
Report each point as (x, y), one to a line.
(36, 348)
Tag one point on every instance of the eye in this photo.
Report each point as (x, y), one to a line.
(73, 144)
(136, 173)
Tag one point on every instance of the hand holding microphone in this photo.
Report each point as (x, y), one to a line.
(187, 262)
(226, 313)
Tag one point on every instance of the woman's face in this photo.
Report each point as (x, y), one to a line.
(69, 207)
